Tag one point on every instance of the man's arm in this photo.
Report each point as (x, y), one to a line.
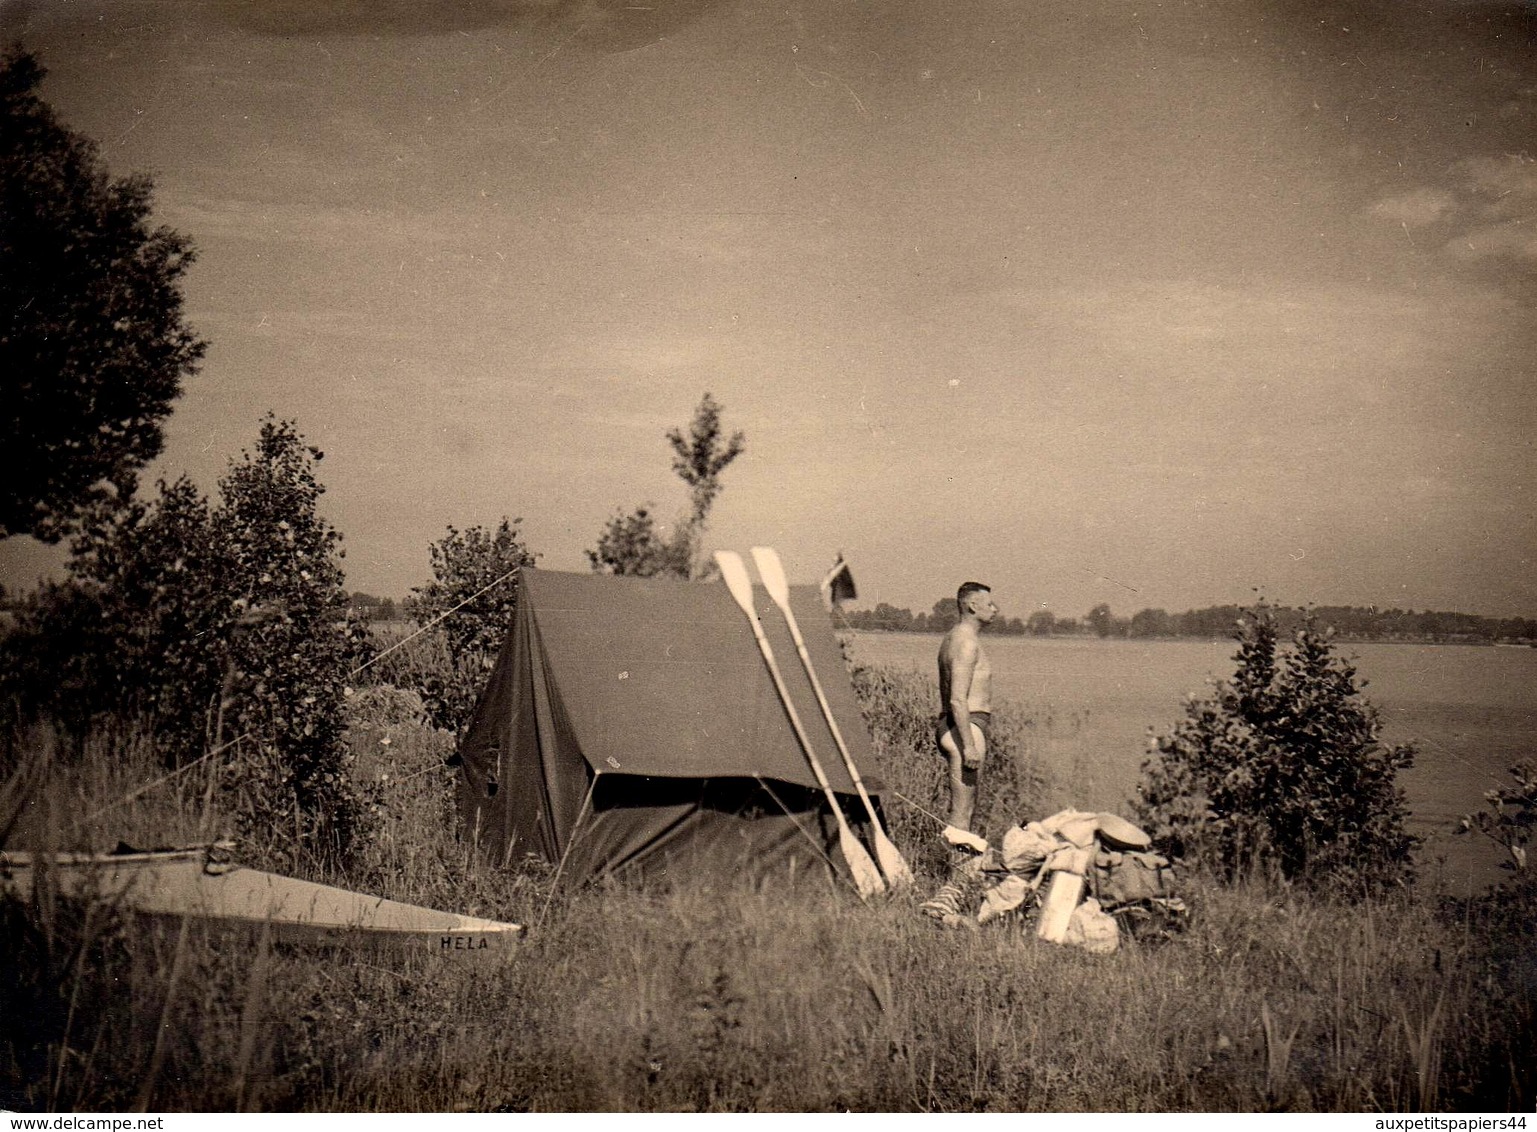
(963, 663)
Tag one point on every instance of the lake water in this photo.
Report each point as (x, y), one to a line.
(1471, 711)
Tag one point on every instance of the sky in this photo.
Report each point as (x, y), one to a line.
(1152, 304)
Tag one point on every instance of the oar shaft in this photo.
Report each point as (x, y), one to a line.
(795, 719)
(827, 712)
(866, 877)
(772, 572)
(861, 869)
(896, 869)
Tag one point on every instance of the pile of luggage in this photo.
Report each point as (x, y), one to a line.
(1087, 879)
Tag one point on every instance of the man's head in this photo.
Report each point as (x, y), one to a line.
(976, 599)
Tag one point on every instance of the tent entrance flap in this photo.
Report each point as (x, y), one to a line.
(652, 693)
(682, 826)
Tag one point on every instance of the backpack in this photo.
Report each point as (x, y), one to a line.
(1118, 878)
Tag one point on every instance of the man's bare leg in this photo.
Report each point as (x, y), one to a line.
(963, 779)
(963, 795)
(949, 903)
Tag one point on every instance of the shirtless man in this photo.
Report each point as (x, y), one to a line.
(966, 697)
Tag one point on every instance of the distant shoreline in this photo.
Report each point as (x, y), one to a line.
(1091, 638)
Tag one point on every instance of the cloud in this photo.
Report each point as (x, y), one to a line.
(1492, 199)
(1181, 318)
(1417, 208)
(1500, 178)
(604, 25)
(1502, 191)
(1514, 240)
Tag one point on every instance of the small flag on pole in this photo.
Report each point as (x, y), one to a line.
(838, 585)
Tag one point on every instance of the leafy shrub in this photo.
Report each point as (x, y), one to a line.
(1284, 766)
(208, 624)
(632, 544)
(471, 601)
(1510, 821)
(1498, 925)
(299, 640)
(129, 635)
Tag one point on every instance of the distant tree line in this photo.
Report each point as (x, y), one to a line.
(1352, 622)
(371, 608)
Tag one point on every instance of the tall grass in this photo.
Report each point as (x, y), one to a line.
(780, 994)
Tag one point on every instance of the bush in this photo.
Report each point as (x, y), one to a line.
(204, 624)
(1283, 767)
(1510, 821)
(631, 544)
(471, 601)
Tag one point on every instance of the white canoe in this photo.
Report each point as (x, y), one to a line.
(185, 882)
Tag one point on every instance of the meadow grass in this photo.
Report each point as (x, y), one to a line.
(783, 994)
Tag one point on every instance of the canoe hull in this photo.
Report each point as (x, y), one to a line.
(180, 883)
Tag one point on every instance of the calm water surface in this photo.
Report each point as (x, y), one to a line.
(1471, 711)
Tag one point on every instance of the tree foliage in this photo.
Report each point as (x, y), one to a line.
(701, 455)
(1283, 765)
(93, 346)
(1510, 821)
(211, 624)
(632, 544)
(373, 608)
(474, 589)
(1100, 620)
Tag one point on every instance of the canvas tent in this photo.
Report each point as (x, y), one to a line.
(630, 723)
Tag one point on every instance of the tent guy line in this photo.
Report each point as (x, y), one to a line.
(436, 620)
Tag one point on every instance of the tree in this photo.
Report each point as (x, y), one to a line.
(1284, 765)
(474, 585)
(93, 347)
(884, 617)
(296, 641)
(1151, 623)
(211, 623)
(474, 589)
(372, 608)
(1041, 623)
(631, 544)
(701, 456)
(1101, 620)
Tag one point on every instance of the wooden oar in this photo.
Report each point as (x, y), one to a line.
(898, 874)
(867, 878)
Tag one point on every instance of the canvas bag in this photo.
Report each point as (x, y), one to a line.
(1118, 878)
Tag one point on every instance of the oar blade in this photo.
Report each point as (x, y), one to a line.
(867, 878)
(737, 580)
(772, 571)
(898, 874)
